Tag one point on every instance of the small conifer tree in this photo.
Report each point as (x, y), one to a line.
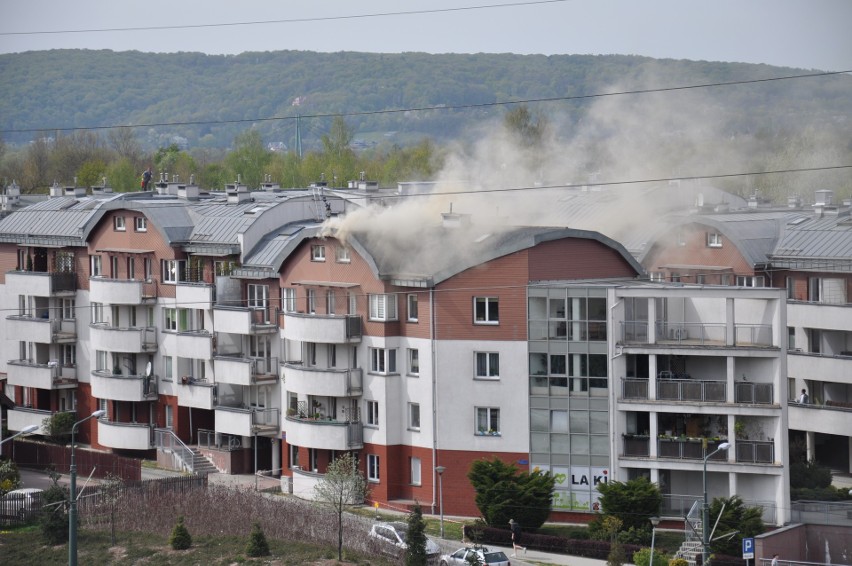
(180, 538)
(257, 545)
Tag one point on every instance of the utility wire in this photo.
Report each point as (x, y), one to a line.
(289, 20)
(427, 108)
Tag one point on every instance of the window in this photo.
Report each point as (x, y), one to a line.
(699, 278)
(141, 224)
(680, 237)
(791, 288)
(749, 281)
(317, 253)
(173, 270)
(95, 265)
(342, 254)
(258, 296)
(487, 364)
(372, 467)
(22, 260)
(414, 416)
(97, 312)
(382, 360)
(168, 368)
(288, 299)
(415, 470)
(294, 456)
(487, 420)
(170, 416)
(69, 355)
(372, 413)
(118, 223)
(310, 354)
(65, 262)
(353, 303)
(329, 302)
(311, 296)
(412, 308)
(101, 360)
(714, 240)
(486, 310)
(170, 319)
(149, 270)
(658, 276)
(413, 361)
(131, 267)
(113, 266)
(102, 406)
(383, 307)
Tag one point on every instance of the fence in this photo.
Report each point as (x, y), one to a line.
(44, 456)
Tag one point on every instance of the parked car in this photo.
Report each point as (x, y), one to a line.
(462, 556)
(392, 538)
(21, 503)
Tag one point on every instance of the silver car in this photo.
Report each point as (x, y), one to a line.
(392, 538)
(21, 503)
(462, 557)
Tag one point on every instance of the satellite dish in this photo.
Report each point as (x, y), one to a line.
(148, 370)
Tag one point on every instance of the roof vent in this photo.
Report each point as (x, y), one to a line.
(56, 190)
(453, 220)
(268, 185)
(794, 201)
(823, 197)
(237, 192)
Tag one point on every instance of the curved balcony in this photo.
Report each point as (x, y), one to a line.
(329, 329)
(247, 421)
(121, 291)
(194, 295)
(324, 434)
(197, 394)
(42, 330)
(242, 320)
(128, 436)
(237, 369)
(40, 376)
(323, 382)
(20, 418)
(123, 339)
(41, 284)
(195, 344)
(117, 387)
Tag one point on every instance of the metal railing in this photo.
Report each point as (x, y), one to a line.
(755, 451)
(687, 449)
(632, 388)
(212, 440)
(167, 441)
(754, 393)
(691, 390)
(691, 332)
(753, 335)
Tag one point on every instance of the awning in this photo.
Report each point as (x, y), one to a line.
(123, 251)
(325, 284)
(698, 267)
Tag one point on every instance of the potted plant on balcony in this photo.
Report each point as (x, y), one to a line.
(291, 412)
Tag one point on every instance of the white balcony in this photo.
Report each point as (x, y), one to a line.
(40, 376)
(329, 329)
(243, 421)
(323, 382)
(820, 367)
(41, 330)
(825, 316)
(20, 418)
(40, 284)
(324, 434)
(123, 339)
(196, 344)
(127, 436)
(197, 394)
(194, 295)
(242, 320)
(121, 291)
(239, 370)
(819, 418)
(116, 387)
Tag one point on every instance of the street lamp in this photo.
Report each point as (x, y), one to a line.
(72, 509)
(27, 430)
(705, 515)
(440, 470)
(654, 522)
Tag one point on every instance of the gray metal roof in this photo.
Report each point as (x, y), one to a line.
(827, 238)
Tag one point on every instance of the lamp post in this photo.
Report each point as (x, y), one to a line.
(705, 515)
(654, 522)
(27, 430)
(440, 470)
(72, 508)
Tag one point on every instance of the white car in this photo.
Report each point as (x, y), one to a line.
(461, 557)
(393, 539)
(21, 502)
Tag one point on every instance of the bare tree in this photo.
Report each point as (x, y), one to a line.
(124, 143)
(342, 485)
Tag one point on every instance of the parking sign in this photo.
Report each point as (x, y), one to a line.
(748, 548)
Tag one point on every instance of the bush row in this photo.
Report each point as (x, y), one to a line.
(598, 549)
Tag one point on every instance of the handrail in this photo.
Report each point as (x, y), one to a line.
(168, 441)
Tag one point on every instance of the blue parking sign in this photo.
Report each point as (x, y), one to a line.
(748, 548)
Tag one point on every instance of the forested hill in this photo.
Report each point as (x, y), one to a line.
(220, 96)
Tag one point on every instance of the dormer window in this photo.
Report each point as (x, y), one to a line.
(118, 223)
(343, 255)
(317, 253)
(141, 224)
(714, 240)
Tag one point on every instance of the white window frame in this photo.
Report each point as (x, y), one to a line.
(119, 224)
(168, 368)
(415, 467)
(69, 355)
(170, 319)
(172, 270)
(257, 296)
(97, 312)
(383, 361)
(330, 301)
(372, 413)
(373, 469)
(383, 307)
(487, 360)
(413, 361)
(714, 240)
(311, 300)
(487, 316)
(487, 421)
(96, 265)
(342, 254)
(140, 224)
(317, 252)
(288, 299)
(353, 303)
(414, 416)
(750, 281)
(411, 307)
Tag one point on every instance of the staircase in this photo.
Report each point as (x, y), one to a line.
(201, 464)
(691, 548)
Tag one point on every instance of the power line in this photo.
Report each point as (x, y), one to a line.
(427, 108)
(289, 20)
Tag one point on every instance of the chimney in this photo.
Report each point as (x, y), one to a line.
(823, 197)
(56, 190)
(237, 193)
(794, 201)
(101, 189)
(268, 185)
(453, 220)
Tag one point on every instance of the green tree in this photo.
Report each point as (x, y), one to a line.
(257, 544)
(642, 557)
(343, 484)
(91, 173)
(503, 492)
(611, 526)
(527, 129)
(249, 159)
(53, 516)
(122, 176)
(415, 550)
(57, 427)
(634, 502)
(180, 539)
(10, 477)
(165, 159)
(737, 518)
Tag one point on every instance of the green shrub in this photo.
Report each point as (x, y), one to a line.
(257, 545)
(180, 539)
(642, 557)
(678, 562)
(53, 517)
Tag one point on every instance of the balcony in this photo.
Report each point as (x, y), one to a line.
(754, 393)
(242, 320)
(42, 330)
(324, 434)
(237, 369)
(637, 445)
(41, 284)
(691, 390)
(825, 419)
(117, 387)
(127, 436)
(323, 382)
(197, 394)
(247, 421)
(755, 451)
(121, 291)
(697, 334)
(20, 418)
(829, 316)
(123, 339)
(828, 367)
(329, 329)
(689, 449)
(51, 375)
(195, 344)
(634, 388)
(194, 295)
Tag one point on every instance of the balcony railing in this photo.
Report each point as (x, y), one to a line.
(634, 388)
(41, 284)
(755, 451)
(689, 449)
(212, 440)
(754, 393)
(753, 335)
(637, 445)
(691, 390)
(692, 333)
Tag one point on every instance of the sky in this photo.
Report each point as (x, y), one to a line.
(806, 34)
